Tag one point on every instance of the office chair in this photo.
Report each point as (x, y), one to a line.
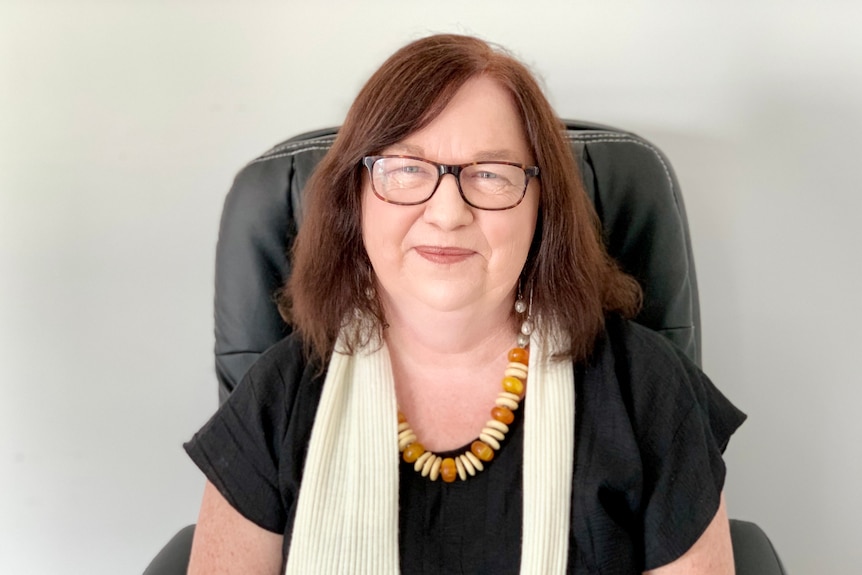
(636, 196)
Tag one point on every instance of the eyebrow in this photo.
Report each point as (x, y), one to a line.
(481, 156)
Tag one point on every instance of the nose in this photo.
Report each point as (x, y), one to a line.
(446, 208)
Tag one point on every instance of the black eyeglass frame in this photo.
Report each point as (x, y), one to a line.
(455, 170)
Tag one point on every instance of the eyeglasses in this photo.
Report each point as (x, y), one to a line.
(408, 181)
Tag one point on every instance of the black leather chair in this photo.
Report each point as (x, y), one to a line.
(635, 193)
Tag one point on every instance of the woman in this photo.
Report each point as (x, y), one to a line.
(447, 247)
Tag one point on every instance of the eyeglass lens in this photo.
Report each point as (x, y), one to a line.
(485, 185)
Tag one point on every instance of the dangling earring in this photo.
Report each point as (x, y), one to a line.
(527, 324)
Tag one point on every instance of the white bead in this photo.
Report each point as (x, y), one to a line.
(527, 327)
(435, 469)
(495, 433)
(520, 306)
(420, 462)
(518, 365)
(467, 465)
(426, 469)
(523, 340)
(404, 433)
(490, 441)
(498, 425)
(403, 442)
(460, 467)
(506, 402)
(515, 372)
(402, 426)
(474, 460)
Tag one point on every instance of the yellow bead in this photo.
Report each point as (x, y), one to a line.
(520, 355)
(401, 418)
(513, 385)
(413, 451)
(448, 471)
(482, 451)
(502, 414)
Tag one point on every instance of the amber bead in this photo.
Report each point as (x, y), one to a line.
(448, 471)
(401, 418)
(413, 451)
(520, 355)
(513, 385)
(482, 450)
(503, 414)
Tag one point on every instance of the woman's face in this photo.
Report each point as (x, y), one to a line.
(444, 255)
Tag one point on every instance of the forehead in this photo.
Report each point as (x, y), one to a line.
(481, 122)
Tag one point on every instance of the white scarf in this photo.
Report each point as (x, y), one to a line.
(347, 513)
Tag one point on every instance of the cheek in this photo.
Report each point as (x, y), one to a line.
(510, 245)
(511, 240)
(383, 229)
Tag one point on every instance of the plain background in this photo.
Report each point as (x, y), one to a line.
(122, 125)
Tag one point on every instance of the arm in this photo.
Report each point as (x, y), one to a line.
(712, 554)
(226, 542)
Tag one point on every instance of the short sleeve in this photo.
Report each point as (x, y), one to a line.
(239, 448)
(682, 424)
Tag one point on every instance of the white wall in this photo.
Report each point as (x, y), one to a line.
(123, 123)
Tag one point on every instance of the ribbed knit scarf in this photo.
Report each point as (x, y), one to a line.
(347, 513)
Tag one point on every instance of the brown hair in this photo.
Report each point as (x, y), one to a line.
(574, 281)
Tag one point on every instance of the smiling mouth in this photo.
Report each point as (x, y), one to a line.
(442, 255)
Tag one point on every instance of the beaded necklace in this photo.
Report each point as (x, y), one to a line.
(432, 466)
(481, 451)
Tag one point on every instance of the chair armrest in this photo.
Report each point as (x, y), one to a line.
(753, 553)
(173, 559)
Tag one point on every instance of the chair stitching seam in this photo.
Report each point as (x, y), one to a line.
(288, 145)
(287, 154)
(610, 138)
(309, 145)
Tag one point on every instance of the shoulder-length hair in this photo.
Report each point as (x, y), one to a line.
(574, 281)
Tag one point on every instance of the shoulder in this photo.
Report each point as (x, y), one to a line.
(642, 362)
(644, 348)
(657, 383)
(651, 429)
(282, 359)
(275, 379)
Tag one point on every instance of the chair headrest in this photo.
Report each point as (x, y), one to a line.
(629, 180)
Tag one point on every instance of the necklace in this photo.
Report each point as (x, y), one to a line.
(481, 451)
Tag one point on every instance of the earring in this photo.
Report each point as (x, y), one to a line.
(527, 324)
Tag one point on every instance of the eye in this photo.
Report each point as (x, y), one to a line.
(409, 169)
(492, 176)
(399, 173)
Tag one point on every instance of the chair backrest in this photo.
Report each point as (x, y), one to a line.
(630, 181)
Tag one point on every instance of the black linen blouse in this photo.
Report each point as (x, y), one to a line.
(650, 429)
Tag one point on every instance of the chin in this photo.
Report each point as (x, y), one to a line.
(450, 298)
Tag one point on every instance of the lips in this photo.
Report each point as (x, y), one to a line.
(444, 255)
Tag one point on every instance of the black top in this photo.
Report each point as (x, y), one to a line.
(649, 432)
